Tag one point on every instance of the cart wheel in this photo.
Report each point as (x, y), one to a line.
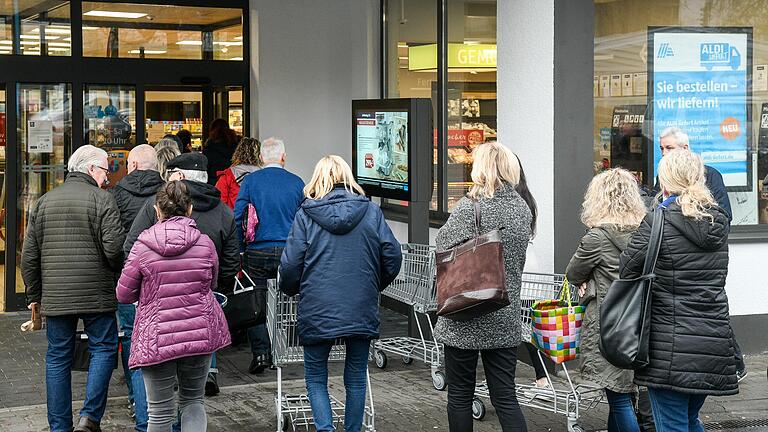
(576, 428)
(438, 380)
(478, 409)
(407, 360)
(286, 423)
(380, 358)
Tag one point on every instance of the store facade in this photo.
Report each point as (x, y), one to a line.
(113, 74)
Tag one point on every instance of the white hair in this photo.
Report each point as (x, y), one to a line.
(194, 175)
(272, 150)
(145, 157)
(681, 138)
(85, 157)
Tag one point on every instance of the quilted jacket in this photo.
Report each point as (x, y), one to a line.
(691, 347)
(170, 272)
(72, 250)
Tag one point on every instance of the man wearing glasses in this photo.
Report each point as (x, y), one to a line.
(72, 252)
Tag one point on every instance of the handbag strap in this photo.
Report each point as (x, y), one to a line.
(478, 217)
(654, 243)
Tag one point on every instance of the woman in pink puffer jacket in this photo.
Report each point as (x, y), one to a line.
(170, 271)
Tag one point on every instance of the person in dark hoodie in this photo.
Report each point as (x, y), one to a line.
(213, 219)
(219, 148)
(141, 183)
(691, 342)
(339, 256)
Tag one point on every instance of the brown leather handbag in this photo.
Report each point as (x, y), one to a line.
(471, 277)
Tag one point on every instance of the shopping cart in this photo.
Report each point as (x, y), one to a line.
(415, 286)
(294, 411)
(563, 397)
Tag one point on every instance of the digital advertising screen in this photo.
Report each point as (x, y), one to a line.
(381, 151)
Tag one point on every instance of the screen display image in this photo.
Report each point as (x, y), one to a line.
(382, 149)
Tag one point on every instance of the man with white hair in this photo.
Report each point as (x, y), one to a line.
(276, 194)
(69, 262)
(213, 218)
(131, 192)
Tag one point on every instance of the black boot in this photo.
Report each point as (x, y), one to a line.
(87, 425)
(211, 385)
(259, 363)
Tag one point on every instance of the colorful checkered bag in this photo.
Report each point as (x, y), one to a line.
(556, 326)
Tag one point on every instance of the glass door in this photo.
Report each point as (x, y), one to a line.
(3, 189)
(45, 141)
(169, 111)
(109, 117)
(228, 105)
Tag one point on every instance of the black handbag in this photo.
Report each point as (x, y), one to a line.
(625, 313)
(81, 360)
(246, 305)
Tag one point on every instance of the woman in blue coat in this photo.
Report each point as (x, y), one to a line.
(339, 255)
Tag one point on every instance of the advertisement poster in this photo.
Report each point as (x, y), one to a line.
(700, 85)
(382, 147)
(107, 127)
(40, 136)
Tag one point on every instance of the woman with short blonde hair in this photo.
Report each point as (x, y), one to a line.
(612, 211)
(339, 256)
(495, 336)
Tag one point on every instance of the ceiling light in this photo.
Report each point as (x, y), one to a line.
(238, 38)
(402, 45)
(35, 37)
(473, 72)
(58, 49)
(115, 14)
(68, 39)
(471, 42)
(403, 58)
(7, 42)
(190, 42)
(53, 30)
(150, 52)
(58, 44)
(90, 28)
(237, 58)
(228, 43)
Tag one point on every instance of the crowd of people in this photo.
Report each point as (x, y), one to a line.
(148, 256)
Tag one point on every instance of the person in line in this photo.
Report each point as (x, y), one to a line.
(186, 140)
(339, 256)
(131, 192)
(691, 341)
(213, 219)
(166, 151)
(538, 366)
(495, 174)
(175, 139)
(219, 148)
(276, 194)
(245, 160)
(612, 211)
(171, 272)
(69, 262)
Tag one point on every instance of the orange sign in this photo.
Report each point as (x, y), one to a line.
(730, 128)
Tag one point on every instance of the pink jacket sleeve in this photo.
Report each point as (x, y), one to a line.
(129, 285)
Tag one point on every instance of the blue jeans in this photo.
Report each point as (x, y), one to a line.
(676, 412)
(261, 265)
(102, 345)
(621, 414)
(137, 394)
(316, 377)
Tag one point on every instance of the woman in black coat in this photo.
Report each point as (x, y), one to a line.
(691, 349)
(219, 148)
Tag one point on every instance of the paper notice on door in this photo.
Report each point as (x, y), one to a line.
(40, 136)
(760, 78)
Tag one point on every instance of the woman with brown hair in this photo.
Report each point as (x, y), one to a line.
(245, 160)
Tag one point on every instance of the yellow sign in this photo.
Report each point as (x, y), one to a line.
(460, 56)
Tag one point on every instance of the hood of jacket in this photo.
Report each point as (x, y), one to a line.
(339, 212)
(141, 183)
(205, 197)
(707, 233)
(618, 236)
(239, 170)
(171, 237)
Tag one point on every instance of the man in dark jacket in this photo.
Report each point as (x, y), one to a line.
(71, 254)
(131, 193)
(213, 218)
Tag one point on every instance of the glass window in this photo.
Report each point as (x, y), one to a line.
(698, 66)
(45, 28)
(109, 116)
(169, 111)
(45, 139)
(161, 31)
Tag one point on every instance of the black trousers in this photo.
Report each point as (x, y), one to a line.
(538, 366)
(461, 373)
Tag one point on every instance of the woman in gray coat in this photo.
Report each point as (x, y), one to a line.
(612, 211)
(495, 173)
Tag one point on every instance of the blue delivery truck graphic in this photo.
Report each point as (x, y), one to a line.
(719, 54)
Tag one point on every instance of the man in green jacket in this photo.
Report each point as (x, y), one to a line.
(71, 254)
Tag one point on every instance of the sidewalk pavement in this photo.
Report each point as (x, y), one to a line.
(404, 398)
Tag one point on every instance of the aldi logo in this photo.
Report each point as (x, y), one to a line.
(665, 50)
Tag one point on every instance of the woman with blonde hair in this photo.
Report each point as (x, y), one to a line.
(166, 150)
(339, 256)
(691, 354)
(495, 336)
(612, 211)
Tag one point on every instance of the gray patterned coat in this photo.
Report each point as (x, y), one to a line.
(499, 329)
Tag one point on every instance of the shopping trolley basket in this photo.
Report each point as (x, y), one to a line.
(561, 398)
(415, 286)
(294, 411)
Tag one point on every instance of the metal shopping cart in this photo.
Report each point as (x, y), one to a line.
(563, 397)
(294, 411)
(415, 286)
